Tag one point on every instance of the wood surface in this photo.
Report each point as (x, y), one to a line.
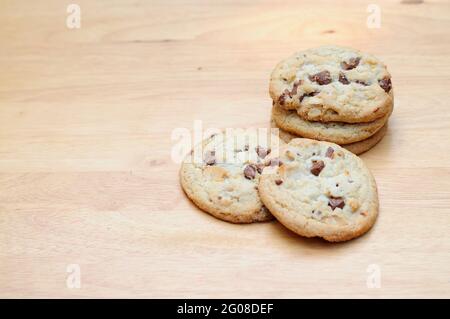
(86, 176)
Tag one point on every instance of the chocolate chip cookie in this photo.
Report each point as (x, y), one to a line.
(321, 190)
(222, 173)
(333, 84)
(356, 148)
(336, 132)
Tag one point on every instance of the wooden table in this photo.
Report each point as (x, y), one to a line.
(86, 177)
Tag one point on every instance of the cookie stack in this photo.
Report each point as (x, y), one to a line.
(329, 103)
(333, 94)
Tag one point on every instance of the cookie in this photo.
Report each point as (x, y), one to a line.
(333, 84)
(365, 145)
(336, 132)
(222, 173)
(321, 190)
(356, 148)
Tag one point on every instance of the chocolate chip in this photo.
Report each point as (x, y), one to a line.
(278, 182)
(274, 162)
(250, 171)
(343, 79)
(260, 167)
(262, 151)
(294, 88)
(361, 82)
(321, 78)
(385, 84)
(283, 96)
(336, 202)
(287, 93)
(317, 167)
(351, 64)
(210, 158)
(308, 95)
(330, 152)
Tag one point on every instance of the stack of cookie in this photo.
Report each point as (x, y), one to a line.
(321, 98)
(333, 94)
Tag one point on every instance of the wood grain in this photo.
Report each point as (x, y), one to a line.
(86, 177)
